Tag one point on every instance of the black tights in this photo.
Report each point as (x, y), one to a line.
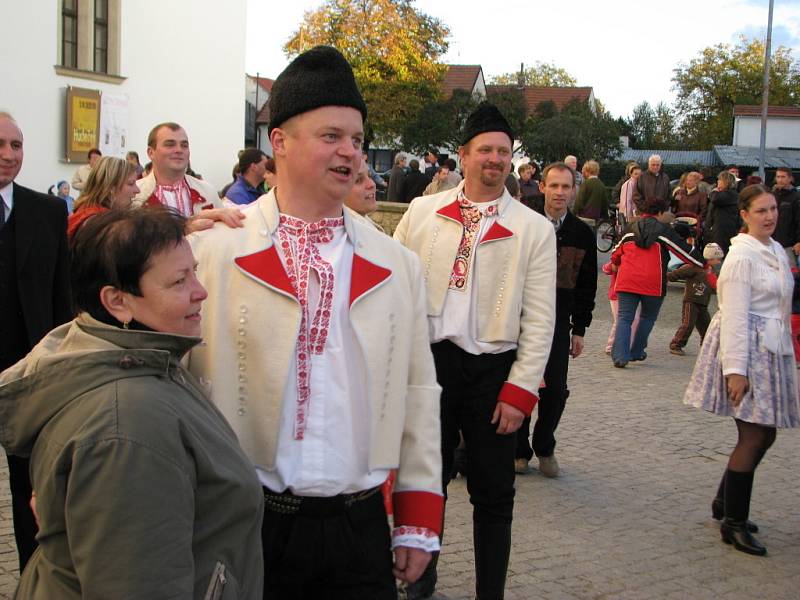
(754, 441)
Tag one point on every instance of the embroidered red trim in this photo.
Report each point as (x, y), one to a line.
(298, 244)
(418, 509)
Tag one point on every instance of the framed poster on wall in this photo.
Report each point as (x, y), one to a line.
(83, 123)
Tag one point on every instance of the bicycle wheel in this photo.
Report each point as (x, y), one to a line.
(605, 236)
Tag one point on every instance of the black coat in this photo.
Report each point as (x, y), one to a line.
(413, 186)
(787, 230)
(723, 221)
(576, 274)
(42, 261)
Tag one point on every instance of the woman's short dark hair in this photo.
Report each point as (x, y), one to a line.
(115, 248)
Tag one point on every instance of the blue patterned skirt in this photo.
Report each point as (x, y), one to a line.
(772, 398)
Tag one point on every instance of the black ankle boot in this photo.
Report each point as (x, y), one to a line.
(492, 548)
(738, 488)
(736, 533)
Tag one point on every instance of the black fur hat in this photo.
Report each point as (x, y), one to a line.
(319, 77)
(487, 117)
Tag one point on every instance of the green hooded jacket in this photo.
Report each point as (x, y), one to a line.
(142, 490)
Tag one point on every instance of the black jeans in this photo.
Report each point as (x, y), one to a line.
(470, 387)
(344, 556)
(552, 399)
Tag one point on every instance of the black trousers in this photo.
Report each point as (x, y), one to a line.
(470, 387)
(25, 528)
(341, 556)
(552, 399)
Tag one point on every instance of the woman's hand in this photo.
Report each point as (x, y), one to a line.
(737, 387)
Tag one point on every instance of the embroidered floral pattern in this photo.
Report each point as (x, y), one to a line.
(471, 215)
(415, 537)
(298, 244)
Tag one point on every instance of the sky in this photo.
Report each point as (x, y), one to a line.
(626, 51)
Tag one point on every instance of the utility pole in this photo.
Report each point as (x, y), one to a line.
(521, 78)
(765, 97)
(255, 117)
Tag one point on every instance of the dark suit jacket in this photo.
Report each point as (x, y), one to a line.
(413, 185)
(42, 261)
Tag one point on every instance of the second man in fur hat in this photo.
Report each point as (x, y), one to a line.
(489, 264)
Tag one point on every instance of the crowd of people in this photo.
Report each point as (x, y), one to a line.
(204, 395)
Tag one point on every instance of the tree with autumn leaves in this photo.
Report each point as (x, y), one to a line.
(394, 50)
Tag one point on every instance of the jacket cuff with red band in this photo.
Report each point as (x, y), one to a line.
(518, 397)
(418, 509)
(416, 537)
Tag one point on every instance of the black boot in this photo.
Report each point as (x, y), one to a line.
(738, 488)
(718, 505)
(492, 548)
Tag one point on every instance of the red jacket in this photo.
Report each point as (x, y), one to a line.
(642, 256)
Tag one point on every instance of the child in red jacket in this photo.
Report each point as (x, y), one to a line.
(700, 282)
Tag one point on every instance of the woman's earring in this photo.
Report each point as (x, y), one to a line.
(125, 324)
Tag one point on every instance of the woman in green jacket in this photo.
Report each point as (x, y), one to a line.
(141, 488)
(591, 202)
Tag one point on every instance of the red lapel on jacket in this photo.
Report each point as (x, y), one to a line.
(365, 276)
(451, 211)
(266, 266)
(496, 232)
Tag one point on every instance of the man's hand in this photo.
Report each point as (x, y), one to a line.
(507, 418)
(737, 386)
(409, 563)
(576, 347)
(796, 248)
(197, 224)
(232, 217)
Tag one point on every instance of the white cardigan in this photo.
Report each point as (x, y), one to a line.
(755, 279)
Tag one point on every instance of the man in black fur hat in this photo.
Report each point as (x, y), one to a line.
(489, 265)
(317, 354)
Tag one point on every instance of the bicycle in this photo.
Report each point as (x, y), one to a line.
(609, 231)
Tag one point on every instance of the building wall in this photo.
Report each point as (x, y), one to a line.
(171, 56)
(781, 132)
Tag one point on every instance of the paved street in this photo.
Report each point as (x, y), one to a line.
(629, 518)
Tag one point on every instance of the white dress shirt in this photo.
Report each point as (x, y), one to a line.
(458, 321)
(7, 193)
(331, 457)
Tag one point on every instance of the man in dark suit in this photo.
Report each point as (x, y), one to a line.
(34, 292)
(414, 183)
(576, 286)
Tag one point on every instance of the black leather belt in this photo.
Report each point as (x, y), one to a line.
(287, 503)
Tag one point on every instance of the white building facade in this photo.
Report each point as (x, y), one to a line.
(783, 126)
(152, 61)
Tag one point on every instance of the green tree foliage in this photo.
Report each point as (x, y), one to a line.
(438, 124)
(721, 76)
(574, 130)
(546, 74)
(654, 127)
(393, 48)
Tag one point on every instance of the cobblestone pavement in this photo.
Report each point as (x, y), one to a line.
(629, 518)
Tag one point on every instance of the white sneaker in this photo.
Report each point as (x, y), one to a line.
(521, 466)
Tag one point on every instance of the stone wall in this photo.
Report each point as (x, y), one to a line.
(388, 215)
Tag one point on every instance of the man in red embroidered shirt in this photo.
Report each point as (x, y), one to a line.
(170, 185)
(317, 353)
(490, 270)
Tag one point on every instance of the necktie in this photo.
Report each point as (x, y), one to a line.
(2, 211)
(555, 223)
